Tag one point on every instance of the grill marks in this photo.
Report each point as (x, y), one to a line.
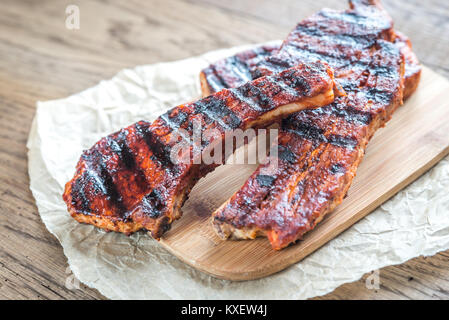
(276, 64)
(265, 180)
(246, 95)
(240, 68)
(174, 119)
(120, 147)
(379, 96)
(320, 149)
(286, 154)
(79, 197)
(216, 81)
(127, 180)
(335, 38)
(153, 204)
(110, 171)
(107, 180)
(352, 115)
(263, 186)
(132, 170)
(359, 28)
(254, 97)
(340, 109)
(216, 110)
(313, 126)
(341, 39)
(297, 83)
(304, 130)
(96, 179)
(341, 141)
(260, 96)
(160, 151)
(235, 70)
(112, 178)
(357, 24)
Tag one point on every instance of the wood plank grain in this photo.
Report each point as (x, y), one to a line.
(43, 60)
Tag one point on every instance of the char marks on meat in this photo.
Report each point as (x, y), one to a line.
(127, 181)
(320, 150)
(233, 71)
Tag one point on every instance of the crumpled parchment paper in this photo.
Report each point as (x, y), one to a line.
(415, 222)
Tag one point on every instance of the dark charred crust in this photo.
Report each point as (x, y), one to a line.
(344, 142)
(358, 21)
(296, 82)
(243, 94)
(120, 147)
(337, 168)
(217, 111)
(226, 72)
(240, 68)
(265, 180)
(79, 198)
(279, 64)
(342, 38)
(257, 72)
(95, 181)
(153, 204)
(219, 79)
(215, 81)
(165, 226)
(285, 154)
(384, 71)
(304, 130)
(161, 152)
(379, 96)
(340, 109)
(353, 115)
(108, 182)
(175, 118)
(99, 176)
(309, 53)
(257, 99)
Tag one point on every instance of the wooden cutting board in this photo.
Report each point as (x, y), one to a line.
(412, 142)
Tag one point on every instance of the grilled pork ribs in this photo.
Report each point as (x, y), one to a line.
(129, 180)
(319, 150)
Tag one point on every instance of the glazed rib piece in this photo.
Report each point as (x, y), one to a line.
(130, 180)
(320, 150)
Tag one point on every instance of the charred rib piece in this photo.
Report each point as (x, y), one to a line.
(127, 180)
(320, 150)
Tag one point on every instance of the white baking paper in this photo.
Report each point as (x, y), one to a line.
(415, 222)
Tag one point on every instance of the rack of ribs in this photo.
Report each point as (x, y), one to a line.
(127, 181)
(320, 150)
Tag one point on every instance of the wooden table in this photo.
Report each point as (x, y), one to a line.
(40, 59)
